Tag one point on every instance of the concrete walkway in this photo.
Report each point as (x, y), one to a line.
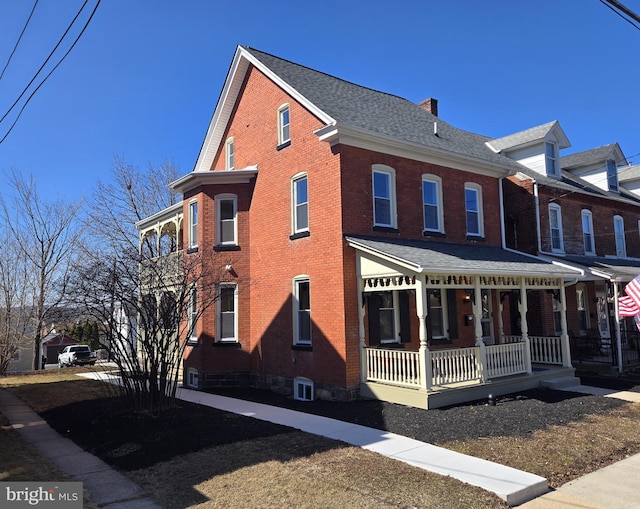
(106, 487)
(610, 488)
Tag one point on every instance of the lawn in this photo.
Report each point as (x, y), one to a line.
(202, 457)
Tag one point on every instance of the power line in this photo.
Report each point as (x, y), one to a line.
(19, 39)
(616, 7)
(52, 70)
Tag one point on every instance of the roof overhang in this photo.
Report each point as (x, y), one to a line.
(161, 216)
(368, 140)
(619, 270)
(425, 257)
(204, 178)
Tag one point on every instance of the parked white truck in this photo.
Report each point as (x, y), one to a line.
(76, 355)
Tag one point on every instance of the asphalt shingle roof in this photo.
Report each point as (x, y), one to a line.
(585, 157)
(617, 267)
(446, 257)
(523, 137)
(379, 112)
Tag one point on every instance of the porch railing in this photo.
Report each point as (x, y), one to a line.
(455, 365)
(544, 349)
(504, 360)
(398, 367)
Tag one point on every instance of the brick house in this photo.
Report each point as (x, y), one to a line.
(575, 210)
(363, 238)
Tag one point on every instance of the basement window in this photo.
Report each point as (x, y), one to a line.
(303, 389)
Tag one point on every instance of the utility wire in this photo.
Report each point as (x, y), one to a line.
(616, 7)
(52, 70)
(19, 39)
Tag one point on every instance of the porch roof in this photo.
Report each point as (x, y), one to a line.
(425, 256)
(617, 269)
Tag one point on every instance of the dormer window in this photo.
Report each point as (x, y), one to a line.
(612, 175)
(551, 159)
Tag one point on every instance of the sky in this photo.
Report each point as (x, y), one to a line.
(143, 80)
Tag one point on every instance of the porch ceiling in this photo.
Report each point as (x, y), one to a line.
(441, 257)
(617, 269)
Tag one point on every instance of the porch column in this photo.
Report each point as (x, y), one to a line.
(423, 352)
(564, 335)
(524, 327)
(616, 309)
(364, 367)
(477, 320)
(500, 321)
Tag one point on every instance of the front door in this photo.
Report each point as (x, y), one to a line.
(487, 318)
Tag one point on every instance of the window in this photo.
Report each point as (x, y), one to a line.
(230, 154)
(300, 199)
(432, 203)
(193, 314)
(587, 233)
(551, 159)
(557, 314)
(301, 311)
(193, 224)
(227, 231)
(227, 313)
(555, 228)
(192, 378)
(612, 175)
(436, 314)
(384, 202)
(283, 124)
(303, 389)
(583, 311)
(387, 315)
(618, 227)
(473, 207)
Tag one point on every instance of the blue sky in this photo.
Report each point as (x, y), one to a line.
(144, 79)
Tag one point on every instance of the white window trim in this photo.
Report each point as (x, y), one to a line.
(391, 174)
(294, 203)
(445, 313)
(472, 186)
(440, 213)
(192, 315)
(581, 289)
(555, 159)
(585, 213)
(230, 153)
(234, 339)
(619, 220)
(558, 209)
(193, 227)
(302, 278)
(305, 383)
(395, 302)
(281, 125)
(192, 378)
(218, 199)
(612, 179)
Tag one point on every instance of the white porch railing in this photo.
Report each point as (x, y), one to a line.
(397, 367)
(544, 349)
(504, 360)
(455, 365)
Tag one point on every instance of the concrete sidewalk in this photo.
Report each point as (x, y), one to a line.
(106, 487)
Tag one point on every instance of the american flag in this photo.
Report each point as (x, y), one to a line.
(628, 306)
(633, 290)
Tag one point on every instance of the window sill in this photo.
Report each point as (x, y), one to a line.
(192, 250)
(476, 238)
(299, 235)
(226, 344)
(283, 145)
(386, 229)
(302, 348)
(226, 247)
(438, 235)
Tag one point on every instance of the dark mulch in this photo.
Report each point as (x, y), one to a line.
(514, 415)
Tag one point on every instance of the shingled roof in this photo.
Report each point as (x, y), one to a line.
(590, 156)
(378, 112)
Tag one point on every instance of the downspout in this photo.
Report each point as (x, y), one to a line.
(536, 199)
(502, 225)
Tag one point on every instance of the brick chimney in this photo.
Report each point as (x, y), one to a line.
(430, 105)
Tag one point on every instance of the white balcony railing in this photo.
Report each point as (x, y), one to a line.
(397, 367)
(505, 360)
(455, 365)
(544, 349)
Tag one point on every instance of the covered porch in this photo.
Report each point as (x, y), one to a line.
(447, 323)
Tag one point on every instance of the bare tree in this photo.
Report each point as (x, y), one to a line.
(16, 288)
(147, 303)
(47, 233)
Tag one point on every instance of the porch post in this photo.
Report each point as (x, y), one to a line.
(524, 327)
(364, 368)
(500, 321)
(564, 335)
(423, 352)
(477, 319)
(616, 307)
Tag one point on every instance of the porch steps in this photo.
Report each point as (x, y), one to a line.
(560, 382)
